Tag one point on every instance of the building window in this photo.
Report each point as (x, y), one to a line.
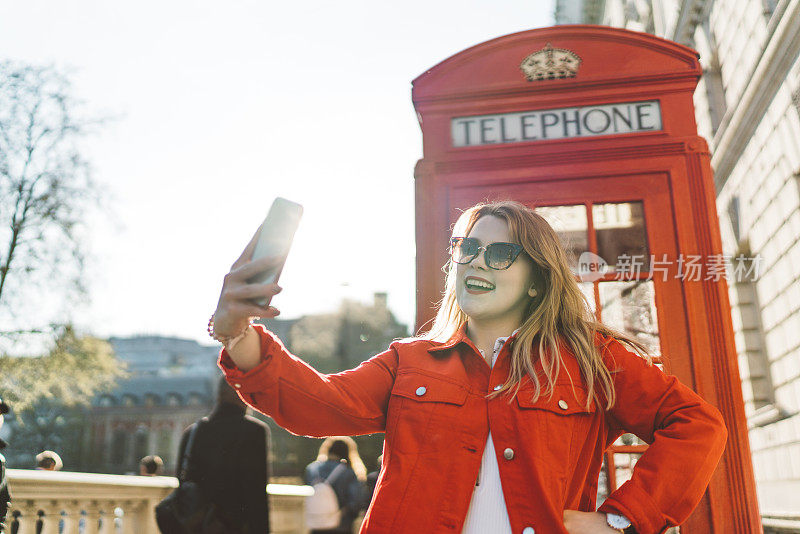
(140, 442)
(165, 439)
(796, 100)
(119, 447)
(733, 214)
(769, 8)
(754, 364)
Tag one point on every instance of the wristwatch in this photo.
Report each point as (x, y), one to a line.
(619, 522)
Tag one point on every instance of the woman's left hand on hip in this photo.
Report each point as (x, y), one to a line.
(587, 523)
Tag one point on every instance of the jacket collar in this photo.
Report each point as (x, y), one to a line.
(460, 336)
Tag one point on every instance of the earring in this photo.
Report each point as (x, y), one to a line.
(532, 292)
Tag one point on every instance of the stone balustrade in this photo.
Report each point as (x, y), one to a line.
(47, 502)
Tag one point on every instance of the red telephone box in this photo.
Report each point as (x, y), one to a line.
(594, 127)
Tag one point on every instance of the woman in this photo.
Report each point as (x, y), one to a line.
(496, 420)
(348, 483)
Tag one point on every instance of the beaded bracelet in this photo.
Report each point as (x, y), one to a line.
(227, 341)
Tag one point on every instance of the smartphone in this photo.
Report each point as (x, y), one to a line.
(275, 239)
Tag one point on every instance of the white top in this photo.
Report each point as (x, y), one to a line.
(487, 509)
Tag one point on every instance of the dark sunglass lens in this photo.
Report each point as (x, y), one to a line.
(464, 250)
(499, 255)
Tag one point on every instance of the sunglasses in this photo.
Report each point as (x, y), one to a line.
(497, 256)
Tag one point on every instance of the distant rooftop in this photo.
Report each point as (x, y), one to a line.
(161, 390)
(165, 356)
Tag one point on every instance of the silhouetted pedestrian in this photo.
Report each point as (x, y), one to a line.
(228, 461)
(5, 495)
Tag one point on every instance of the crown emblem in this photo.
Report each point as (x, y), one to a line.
(550, 63)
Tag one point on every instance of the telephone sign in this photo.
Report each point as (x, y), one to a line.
(528, 126)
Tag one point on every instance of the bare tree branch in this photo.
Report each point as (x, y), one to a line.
(46, 187)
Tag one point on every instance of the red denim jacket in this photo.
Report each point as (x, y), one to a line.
(430, 400)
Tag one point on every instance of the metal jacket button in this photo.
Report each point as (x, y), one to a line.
(528, 530)
(508, 454)
(421, 391)
(562, 404)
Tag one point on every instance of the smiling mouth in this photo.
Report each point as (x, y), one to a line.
(475, 284)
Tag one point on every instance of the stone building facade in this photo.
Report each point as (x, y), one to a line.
(170, 385)
(747, 106)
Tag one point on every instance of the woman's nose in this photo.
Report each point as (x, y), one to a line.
(479, 262)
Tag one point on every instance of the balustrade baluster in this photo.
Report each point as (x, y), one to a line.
(44, 514)
(72, 519)
(116, 525)
(130, 519)
(12, 519)
(27, 521)
(147, 517)
(106, 514)
(49, 515)
(110, 517)
(92, 517)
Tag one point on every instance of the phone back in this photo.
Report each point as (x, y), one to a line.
(275, 239)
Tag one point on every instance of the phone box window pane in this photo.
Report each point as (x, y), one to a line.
(624, 464)
(571, 224)
(587, 288)
(621, 236)
(630, 307)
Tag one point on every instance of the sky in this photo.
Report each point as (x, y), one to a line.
(216, 108)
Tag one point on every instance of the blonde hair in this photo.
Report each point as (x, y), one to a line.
(353, 458)
(559, 313)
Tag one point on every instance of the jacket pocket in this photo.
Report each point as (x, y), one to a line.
(424, 412)
(558, 428)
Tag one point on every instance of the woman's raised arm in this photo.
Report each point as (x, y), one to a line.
(307, 402)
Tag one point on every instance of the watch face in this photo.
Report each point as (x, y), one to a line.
(617, 521)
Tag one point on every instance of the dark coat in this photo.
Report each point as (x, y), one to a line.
(229, 462)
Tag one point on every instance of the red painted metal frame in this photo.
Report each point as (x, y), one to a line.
(668, 171)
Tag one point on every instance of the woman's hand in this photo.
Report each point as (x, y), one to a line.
(587, 523)
(235, 306)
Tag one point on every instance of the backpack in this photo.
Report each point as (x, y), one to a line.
(322, 509)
